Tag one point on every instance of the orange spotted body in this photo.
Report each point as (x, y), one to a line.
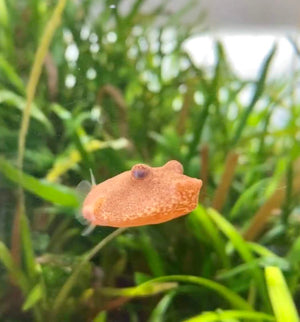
(142, 196)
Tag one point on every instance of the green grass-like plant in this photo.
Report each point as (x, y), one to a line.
(84, 85)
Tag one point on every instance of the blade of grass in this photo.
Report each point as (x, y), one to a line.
(241, 246)
(58, 194)
(235, 300)
(69, 284)
(140, 290)
(31, 265)
(19, 102)
(87, 158)
(6, 33)
(262, 251)
(35, 73)
(247, 196)
(259, 88)
(212, 91)
(268, 258)
(258, 262)
(231, 233)
(33, 269)
(224, 185)
(200, 217)
(262, 141)
(264, 212)
(230, 315)
(101, 317)
(11, 75)
(184, 112)
(204, 171)
(3, 14)
(17, 275)
(34, 296)
(40, 55)
(154, 260)
(158, 313)
(133, 12)
(65, 163)
(287, 207)
(293, 256)
(280, 296)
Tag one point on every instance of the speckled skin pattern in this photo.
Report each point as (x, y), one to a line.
(142, 196)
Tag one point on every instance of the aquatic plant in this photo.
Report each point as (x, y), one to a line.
(105, 90)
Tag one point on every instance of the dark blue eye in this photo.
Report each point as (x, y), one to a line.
(140, 171)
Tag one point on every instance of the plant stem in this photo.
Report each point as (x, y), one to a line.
(30, 93)
(65, 290)
(227, 177)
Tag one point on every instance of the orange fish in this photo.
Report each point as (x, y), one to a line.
(142, 196)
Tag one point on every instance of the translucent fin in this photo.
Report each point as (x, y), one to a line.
(82, 189)
(88, 230)
(93, 181)
(80, 218)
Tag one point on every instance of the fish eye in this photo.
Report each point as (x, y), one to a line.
(140, 171)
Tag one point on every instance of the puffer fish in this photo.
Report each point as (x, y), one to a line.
(143, 195)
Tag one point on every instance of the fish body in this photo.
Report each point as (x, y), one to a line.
(141, 196)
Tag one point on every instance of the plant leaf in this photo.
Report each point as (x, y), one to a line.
(280, 296)
(240, 245)
(228, 315)
(34, 296)
(233, 298)
(145, 289)
(247, 196)
(11, 75)
(16, 273)
(154, 260)
(55, 193)
(65, 163)
(28, 252)
(260, 84)
(199, 217)
(19, 102)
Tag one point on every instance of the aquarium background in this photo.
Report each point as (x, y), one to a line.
(104, 85)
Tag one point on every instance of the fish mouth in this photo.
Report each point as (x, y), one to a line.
(198, 184)
(189, 190)
(88, 213)
(193, 184)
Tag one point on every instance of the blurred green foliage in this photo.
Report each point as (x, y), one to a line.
(117, 89)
